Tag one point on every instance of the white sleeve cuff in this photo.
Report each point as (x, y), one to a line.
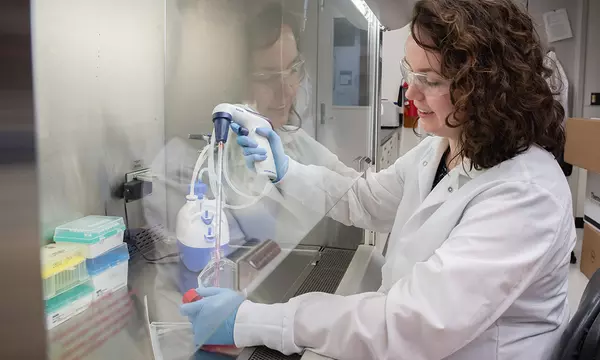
(291, 171)
(296, 183)
(269, 325)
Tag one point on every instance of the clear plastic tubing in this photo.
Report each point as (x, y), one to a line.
(219, 201)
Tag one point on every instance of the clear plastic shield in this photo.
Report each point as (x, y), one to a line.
(125, 93)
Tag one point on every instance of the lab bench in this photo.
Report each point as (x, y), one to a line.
(118, 326)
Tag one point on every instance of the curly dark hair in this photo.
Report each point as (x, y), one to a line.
(493, 57)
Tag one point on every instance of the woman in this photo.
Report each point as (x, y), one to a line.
(480, 214)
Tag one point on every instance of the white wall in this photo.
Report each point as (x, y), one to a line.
(391, 78)
(568, 51)
(392, 52)
(99, 98)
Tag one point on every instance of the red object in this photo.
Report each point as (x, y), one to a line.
(410, 114)
(190, 296)
(410, 110)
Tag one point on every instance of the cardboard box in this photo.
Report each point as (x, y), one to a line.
(592, 200)
(583, 150)
(583, 143)
(590, 253)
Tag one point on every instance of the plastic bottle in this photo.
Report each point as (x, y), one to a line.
(195, 230)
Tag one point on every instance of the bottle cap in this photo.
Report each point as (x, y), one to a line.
(199, 189)
(190, 296)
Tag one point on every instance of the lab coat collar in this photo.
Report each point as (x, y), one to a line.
(429, 163)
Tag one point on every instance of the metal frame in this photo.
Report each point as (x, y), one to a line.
(375, 43)
(375, 69)
(21, 309)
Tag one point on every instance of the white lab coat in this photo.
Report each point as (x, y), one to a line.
(476, 269)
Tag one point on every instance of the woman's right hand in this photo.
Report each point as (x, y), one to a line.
(213, 316)
(253, 153)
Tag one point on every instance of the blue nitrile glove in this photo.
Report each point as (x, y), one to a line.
(252, 153)
(213, 316)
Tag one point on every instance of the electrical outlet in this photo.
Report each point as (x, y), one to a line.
(130, 176)
(138, 184)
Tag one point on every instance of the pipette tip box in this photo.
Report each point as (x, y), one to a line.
(63, 267)
(108, 272)
(68, 304)
(94, 235)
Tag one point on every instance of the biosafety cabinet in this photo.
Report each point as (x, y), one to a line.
(115, 109)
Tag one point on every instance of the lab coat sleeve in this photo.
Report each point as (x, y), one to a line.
(323, 156)
(504, 239)
(370, 202)
(339, 167)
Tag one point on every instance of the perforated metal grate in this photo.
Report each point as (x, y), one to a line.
(328, 273)
(324, 277)
(264, 353)
(145, 240)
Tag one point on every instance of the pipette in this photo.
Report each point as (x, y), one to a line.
(219, 201)
(222, 116)
(250, 120)
(211, 275)
(220, 271)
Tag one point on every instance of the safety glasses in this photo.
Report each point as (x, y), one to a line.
(430, 84)
(292, 76)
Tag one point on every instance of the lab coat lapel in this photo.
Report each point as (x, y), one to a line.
(446, 187)
(428, 166)
(451, 183)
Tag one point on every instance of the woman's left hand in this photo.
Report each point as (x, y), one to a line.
(213, 316)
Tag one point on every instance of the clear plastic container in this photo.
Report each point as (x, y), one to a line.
(68, 304)
(108, 272)
(220, 272)
(63, 268)
(93, 234)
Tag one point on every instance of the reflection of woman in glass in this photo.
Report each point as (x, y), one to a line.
(279, 88)
(276, 70)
